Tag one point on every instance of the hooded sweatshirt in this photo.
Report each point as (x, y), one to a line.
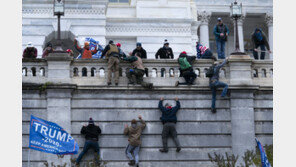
(259, 39)
(134, 134)
(91, 132)
(168, 113)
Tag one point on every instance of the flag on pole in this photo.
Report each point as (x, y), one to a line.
(264, 159)
(49, 137)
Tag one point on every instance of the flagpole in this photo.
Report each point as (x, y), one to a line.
(29, 157)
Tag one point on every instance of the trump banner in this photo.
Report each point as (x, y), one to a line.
(49, 137)
(264, 159)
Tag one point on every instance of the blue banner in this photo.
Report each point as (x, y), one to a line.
(264, 159)
(49, 137)
(92, 44)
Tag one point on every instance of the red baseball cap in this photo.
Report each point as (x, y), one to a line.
(183, 52)
(68, 50)
(118, 45)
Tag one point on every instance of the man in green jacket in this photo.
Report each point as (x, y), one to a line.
(136, 73)
(134, 133)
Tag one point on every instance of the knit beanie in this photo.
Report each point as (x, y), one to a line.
(90, 121)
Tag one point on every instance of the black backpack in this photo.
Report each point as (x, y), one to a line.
(210, 72)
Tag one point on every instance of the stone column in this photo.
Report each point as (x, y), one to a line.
(242, 105)
(59, 111)
(59, 94)
(194, 37)
(59, 67)
(204, 18)
(240, 33)
(269, 21)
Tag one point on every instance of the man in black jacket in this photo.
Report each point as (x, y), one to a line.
(91, 132)
(259, 40)
(186, 69)
(165, 52)
(169, 120)
(139, 49)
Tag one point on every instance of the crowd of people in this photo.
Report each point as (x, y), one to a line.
(114, 55)
(168, 118)
(221, 33)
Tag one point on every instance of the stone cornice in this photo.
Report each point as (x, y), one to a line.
(203, 16)
(269, 18)
(150, 28)
(45, 11)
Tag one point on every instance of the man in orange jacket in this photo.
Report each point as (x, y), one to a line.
(85, 52)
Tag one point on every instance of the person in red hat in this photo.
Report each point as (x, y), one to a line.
(186, 69)
(70, 52)
(122, 54)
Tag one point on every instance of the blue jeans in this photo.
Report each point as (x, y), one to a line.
(214, 86)
(87, 145)
(262, 56)
(135, 149)
(220, 49)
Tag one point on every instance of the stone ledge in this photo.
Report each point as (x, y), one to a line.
(26, 86)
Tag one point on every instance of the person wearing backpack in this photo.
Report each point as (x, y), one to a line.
(213, 74)
(186, 69)
(221, 33)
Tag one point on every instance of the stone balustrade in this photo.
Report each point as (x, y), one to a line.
(159, 72)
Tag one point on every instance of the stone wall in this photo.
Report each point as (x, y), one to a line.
(70, 100)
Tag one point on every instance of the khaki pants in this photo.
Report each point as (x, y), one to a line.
(113, 63)
(136, 76)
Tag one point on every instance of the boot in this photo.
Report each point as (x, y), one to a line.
(150, 85)
(178, 149)
(109, 83)
(131, 163)
(177, 83)
(163, 150)
(213, 110)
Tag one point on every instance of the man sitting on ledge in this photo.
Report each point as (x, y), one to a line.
(186, 69)
(136, 73)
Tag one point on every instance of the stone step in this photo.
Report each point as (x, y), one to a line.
(127, 103)
(154, 141)
(155, 127)
(127, 114)
(146, 154)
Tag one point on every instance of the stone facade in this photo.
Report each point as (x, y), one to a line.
(77, 91)
(146, 21)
